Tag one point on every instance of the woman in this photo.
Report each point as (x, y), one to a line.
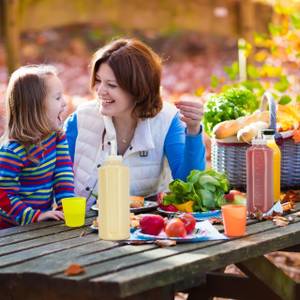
(150, 134)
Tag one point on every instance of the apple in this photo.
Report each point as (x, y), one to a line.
(236, 197)
(152, 224)
(189, 222)
(175, 228)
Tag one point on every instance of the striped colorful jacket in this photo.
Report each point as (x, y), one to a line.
(31, 186)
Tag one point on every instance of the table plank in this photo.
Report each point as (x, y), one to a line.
(47, 240)
(39, 232)
(129, 270)
(84, 255)
(157, 254)
(173, 268)
(36, 226)
(32, 253)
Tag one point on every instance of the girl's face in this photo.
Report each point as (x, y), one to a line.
(114, 101)
(55, 102)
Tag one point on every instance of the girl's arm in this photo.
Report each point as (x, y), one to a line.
(12, 207)
(184, 152)
(71, 133)
(63, 175)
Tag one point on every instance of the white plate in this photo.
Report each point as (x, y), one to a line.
(203, 231)
(148, 206)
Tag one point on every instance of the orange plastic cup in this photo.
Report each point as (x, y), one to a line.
(234, 219)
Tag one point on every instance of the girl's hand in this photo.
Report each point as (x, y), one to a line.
(191, 115)
(51, 215)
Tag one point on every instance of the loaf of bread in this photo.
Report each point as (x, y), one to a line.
(231, 127)
(247, 133)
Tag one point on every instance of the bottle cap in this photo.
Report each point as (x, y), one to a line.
(268, 131)
(113, 148)
(114, 158)
(259, 141)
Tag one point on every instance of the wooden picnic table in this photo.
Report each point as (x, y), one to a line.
(33, 259)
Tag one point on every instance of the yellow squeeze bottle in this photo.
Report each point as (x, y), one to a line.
(114, 205)
(268, 135)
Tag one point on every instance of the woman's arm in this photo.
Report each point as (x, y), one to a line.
(71, 133)
(184, 152)
(11, 203)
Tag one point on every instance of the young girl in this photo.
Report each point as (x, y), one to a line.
(35, 167)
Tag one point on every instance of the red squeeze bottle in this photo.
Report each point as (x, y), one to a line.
(259, 164)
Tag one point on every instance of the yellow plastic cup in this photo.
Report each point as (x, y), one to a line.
(74, 211)
(234, 219)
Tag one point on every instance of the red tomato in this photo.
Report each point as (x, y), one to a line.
(175, 228)
(189, 222)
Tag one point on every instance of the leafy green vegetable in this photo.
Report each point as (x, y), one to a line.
(205, 188)
(228, 105)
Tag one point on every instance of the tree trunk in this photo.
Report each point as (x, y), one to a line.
(11, 33)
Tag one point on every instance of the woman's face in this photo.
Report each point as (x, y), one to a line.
(55, 102)
(114, 101)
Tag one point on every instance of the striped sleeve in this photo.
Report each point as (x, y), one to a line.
(12, 206)
(63, 174)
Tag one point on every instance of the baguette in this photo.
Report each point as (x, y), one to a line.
(231, 127)
(247, 133)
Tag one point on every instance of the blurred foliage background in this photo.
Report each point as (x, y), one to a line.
(196, 38)
(200, 41)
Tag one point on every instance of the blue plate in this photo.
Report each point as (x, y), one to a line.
(199, 216)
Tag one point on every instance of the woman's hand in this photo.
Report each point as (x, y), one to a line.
(51, 215)
(191, 114)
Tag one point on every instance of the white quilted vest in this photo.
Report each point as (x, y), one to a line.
(149, 170)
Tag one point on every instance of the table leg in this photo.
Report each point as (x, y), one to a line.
(272, 277)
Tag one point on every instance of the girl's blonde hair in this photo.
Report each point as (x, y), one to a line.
(27, 120)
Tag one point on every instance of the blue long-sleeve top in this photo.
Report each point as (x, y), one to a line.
(184, 152)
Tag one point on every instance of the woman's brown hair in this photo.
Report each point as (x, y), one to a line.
(27, 120)
(137, 69)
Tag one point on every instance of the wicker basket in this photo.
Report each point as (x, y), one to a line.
(230, 156)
